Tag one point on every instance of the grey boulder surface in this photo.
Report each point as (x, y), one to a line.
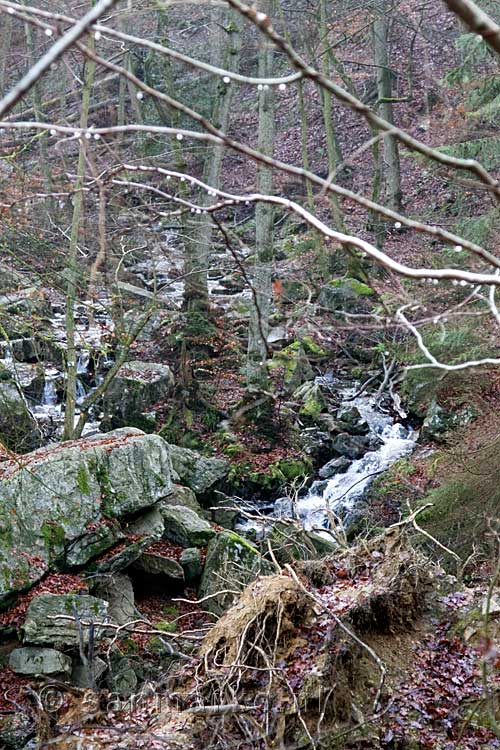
(59, 619)
(55, 497)
(198, 472)
(31, 660)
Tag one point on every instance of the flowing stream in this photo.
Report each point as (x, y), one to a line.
(341, 492)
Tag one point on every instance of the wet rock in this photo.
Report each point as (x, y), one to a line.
(18, 429)
(185, 527)
(351, 421)
(316, 443)
(46, 620)
(231, 563)
(137, 386)
(350, 446)
(191, 564)
(335, 466)
(60, 494)
(32, 661)
(198, 472)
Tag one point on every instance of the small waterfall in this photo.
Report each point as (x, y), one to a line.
(341, 492)
(6, 353)
(80, 391)
(49, 395)
(82, 361)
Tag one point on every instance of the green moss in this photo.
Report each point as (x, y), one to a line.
(291, 468)
(358, 288)
(236, 541)
(311, 347)
(171, 609)
(54, 537)
(109, 496)
(274, 477)
(128, 646)
(82, 480)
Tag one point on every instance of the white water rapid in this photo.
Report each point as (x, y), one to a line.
(340, 492)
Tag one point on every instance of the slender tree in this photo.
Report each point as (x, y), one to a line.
(264, 224)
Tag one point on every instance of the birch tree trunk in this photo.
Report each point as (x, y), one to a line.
(257, 378)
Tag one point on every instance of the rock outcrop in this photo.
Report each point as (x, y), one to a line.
(72, 499)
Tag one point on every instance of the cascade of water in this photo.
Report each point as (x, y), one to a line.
(80, 391)
(82, 361)
(341, 491)
(49, 395)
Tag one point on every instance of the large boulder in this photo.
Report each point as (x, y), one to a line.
(191, 562)
(198, 472)
(181, 495)
(51, 619)
(185, 527)
(156, 563)
(32, 661)
(136, 387)
(335, 466)
(438, 421)
(351, 446)
(18, 429)
(61, 494)
(231, 563)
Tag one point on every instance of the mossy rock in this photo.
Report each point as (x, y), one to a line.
(199, 473)
(70, 498)
(231, 563)
(185, 527)
(18, 429)
(294, 363)
(345, 294)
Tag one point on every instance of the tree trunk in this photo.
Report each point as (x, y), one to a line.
(5, 40)
(257, 378)
(392, 172)
(72, 266)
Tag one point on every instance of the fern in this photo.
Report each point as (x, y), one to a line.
(479, 229)
(485, 150)
(488, 111)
